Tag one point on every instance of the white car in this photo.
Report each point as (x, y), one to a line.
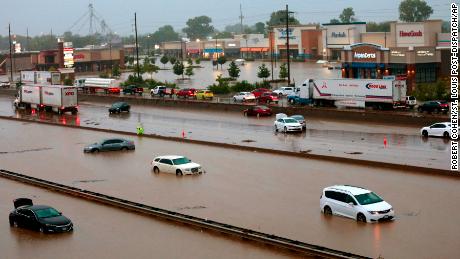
(287, 124)
(441, 129)
(244, 97)
(178, 165)
(356, 203)
(285, 90)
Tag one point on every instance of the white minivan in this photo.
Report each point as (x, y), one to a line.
(356, 203)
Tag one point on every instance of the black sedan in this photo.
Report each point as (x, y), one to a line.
(38, 217)
(119, 107)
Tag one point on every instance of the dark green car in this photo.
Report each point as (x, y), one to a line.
(119, 107)
(132, 89)
(110, 145)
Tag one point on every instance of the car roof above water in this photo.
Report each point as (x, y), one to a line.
(169, 157)
(354, 190)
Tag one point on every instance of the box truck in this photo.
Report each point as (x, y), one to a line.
(105, 85)
(376, 93)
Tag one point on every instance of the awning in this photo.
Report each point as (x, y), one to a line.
(193, 51)
(213, 50)
(254, 49)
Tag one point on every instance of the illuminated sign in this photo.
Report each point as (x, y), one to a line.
(68, 55)
(425, 53)
(397, 53)
(364, 55)
(410, 33)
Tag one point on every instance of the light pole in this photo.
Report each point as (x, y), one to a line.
(287, 45)
(148, 45)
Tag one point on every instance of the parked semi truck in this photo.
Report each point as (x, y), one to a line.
(376, 93)
(40, 77)
(58, 98)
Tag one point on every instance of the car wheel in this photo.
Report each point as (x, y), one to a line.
(361, 218)
(245, 114)
(156, 170)
(124, 149)
(285, 129)
(327, 210)
(425, 133)
(276, 128)
(436, 110)
(292, 101)
(234, 99)
(41, 229)
(95, 150)
(446, 134)
(419, 109)
(179, 172)
(13, 223)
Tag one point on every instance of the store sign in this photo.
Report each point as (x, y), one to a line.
(338, 35)
(365, 55)
(397, 53)
(79, 56)
(283, 34)
(68, 55)
(410, 33)
(425, 53)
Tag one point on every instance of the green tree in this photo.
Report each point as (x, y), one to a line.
(172, 60)
(164, 60)
(414, 11)
(165, 33)
(347, 15)
(283, 71)
(223, 35)
(197, 61)
(150, 68)
(189, 71)
(190, 61)
(279, 18)
(263, 72)
(178, 68)
(116, 70)
(198, 27)
(259, 28)
(377, 27)
(233, 70)
(334, 20)
(221, 60)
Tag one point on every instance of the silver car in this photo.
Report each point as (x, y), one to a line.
(110, 145)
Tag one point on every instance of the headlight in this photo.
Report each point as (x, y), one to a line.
(373, 212)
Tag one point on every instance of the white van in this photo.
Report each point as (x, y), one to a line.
(411, 101)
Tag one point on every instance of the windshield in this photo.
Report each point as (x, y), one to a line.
(262, 107)
(116, 105)
(47, 213)
(368, 198)
(181, 161)
(290, 121)
(411, 98)
(297, 117)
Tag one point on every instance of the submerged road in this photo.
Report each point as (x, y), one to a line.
(101, 232)
(269, 193)
(324, 137)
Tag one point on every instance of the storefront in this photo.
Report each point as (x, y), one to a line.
(364, 60)
(337, 36)
(304, 41)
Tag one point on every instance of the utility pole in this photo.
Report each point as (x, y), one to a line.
(27, 33)
(287, 46)
(11, 53)
(241, 19)
(137, 47)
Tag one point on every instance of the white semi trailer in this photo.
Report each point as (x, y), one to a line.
(58, 98)
(377, 93)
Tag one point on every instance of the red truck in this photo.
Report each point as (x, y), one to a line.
(186, 93)
(258, 92)
(268, 97)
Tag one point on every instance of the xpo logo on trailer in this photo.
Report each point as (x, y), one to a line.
(375, 86)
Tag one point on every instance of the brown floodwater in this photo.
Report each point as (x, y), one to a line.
(324, 137)
(106, 232)
(269, 193)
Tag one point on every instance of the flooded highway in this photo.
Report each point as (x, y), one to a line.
(101, 231)
(269, 193)
(324, 137)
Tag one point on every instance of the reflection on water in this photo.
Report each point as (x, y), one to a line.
(207, 74)
(65, 119)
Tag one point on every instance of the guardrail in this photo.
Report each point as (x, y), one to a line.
(276, 241)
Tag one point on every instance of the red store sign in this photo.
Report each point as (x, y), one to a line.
(410, 33)
(79, 56)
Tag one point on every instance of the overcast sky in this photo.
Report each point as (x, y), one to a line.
(60, 15)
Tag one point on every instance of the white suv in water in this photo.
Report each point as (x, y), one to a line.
(356, 203)
(179, 165)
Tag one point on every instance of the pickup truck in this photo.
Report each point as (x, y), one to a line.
(162, 91)
(132, 89)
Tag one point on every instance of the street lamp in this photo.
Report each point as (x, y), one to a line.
(148, 45)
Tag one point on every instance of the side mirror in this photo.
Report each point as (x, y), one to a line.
(60, 213)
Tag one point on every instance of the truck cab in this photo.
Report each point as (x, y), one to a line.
(302, 94)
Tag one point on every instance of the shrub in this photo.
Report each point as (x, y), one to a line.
(221, 88)
(243, 86)
(432, 91)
